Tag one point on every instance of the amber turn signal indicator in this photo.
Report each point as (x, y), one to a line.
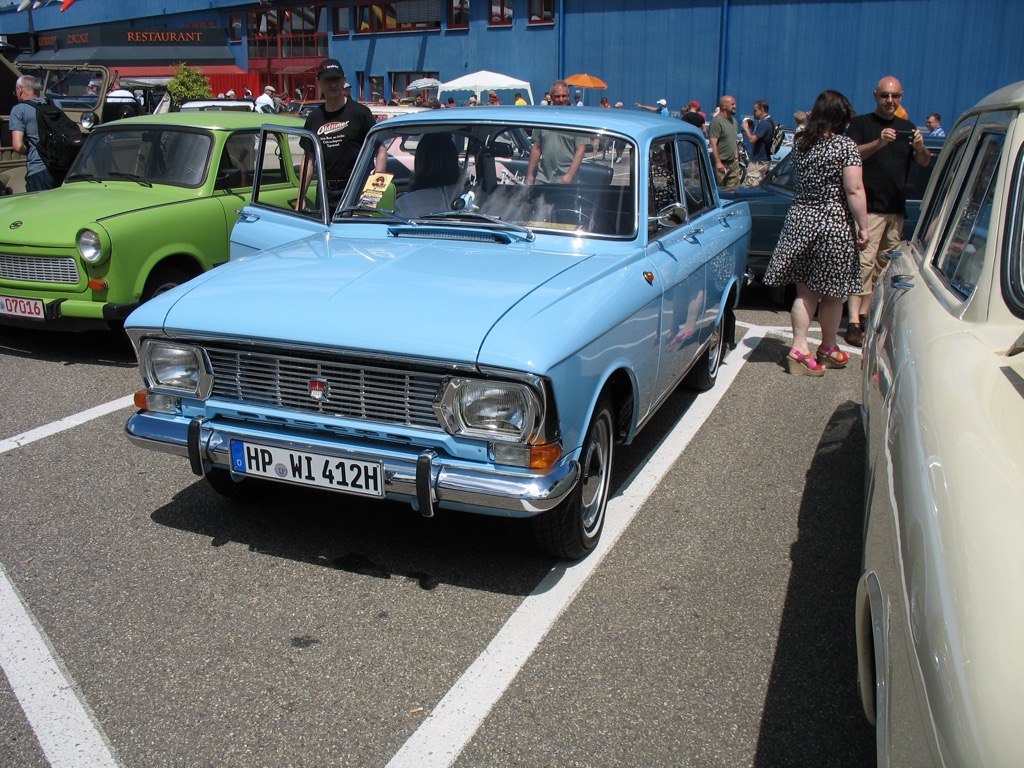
(544, 456)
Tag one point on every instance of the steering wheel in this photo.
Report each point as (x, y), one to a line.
(580, 211)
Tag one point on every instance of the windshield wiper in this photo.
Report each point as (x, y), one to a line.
(354, 211)
(473, 216)
(86, 176)
(132, 176)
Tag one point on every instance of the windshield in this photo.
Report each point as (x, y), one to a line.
(149, 155)
(69, 89)
(574, 186)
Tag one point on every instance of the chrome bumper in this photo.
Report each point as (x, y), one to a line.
(425, 478)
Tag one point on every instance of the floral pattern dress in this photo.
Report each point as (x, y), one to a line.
(817, 246)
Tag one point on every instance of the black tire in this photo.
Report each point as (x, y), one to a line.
(704, 373)
(163, 279)
(241, 490)
(572, 529)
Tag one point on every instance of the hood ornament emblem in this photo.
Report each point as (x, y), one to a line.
(16, 224)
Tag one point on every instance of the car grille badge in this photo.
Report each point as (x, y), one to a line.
(319, 389)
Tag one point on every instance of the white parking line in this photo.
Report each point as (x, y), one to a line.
(66, 423)
(438, 742)
(66, 732)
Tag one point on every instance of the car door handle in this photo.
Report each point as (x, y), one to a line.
(692, 234)
(247, 217)
(902, 282)
(724, 218)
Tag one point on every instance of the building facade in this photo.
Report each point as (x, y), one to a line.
(948, 53)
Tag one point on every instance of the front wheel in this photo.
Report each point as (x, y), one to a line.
(573, 528)
(243, 490)
(162, 280)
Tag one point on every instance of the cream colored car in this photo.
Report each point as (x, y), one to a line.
(940, 602)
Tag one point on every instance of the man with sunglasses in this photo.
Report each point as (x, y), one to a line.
(887, 146)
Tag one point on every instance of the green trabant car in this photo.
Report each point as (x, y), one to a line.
(148, 204)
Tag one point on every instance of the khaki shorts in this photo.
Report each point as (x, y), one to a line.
(755, 174)
(885, 231)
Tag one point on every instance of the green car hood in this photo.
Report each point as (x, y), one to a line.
(54, 218)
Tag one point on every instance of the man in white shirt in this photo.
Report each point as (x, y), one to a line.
(265, 101)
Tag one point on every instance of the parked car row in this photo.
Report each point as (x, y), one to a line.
(482, 344)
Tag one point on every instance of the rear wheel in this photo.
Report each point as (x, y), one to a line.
(573, 528)
(704, 373)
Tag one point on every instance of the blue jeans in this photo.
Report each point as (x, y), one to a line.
(39, 181)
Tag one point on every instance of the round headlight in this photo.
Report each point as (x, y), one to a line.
(88, 121)
(90, 247)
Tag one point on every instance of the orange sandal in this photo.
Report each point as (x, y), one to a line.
(803, 365)
(832, 357)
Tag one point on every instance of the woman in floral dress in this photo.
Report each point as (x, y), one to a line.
(827, 225)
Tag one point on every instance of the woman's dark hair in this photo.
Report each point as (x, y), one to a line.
(436, 163)
(831, 114)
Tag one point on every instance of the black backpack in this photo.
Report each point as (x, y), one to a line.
(778, 136)
(60, 140)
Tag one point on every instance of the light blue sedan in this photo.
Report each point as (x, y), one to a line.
(495, 305)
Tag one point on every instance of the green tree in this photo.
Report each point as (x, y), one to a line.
(188, 83)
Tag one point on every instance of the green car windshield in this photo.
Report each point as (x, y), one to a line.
(146, 155)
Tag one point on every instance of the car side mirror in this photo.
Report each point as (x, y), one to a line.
(671, 216)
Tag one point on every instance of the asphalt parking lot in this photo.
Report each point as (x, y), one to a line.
(148, 622)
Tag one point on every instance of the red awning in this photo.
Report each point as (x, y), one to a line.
(134, 70)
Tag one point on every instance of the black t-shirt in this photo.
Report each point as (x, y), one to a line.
(693, 118)
(341, 135)
(885, 172)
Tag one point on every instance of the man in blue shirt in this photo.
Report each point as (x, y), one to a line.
(934, 125)
(759, 132)
(25, 133)
(660, 109)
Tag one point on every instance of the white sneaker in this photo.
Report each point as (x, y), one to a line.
(618, 160)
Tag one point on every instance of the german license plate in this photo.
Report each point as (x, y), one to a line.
(365, 478)
(15, 307)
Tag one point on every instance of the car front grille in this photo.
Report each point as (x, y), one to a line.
(370, 393)
(38, 269)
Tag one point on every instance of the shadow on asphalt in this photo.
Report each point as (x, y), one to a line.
(108, 348)
(389, 540)
(812, 713)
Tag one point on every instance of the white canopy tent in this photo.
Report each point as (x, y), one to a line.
(483, 81)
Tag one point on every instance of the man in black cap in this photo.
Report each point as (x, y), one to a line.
(341, 125)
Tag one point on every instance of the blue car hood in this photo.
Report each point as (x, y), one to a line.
(400, 296)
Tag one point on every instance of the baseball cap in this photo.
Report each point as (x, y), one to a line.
(662, 102)
(695, 104)
(348, 85)
(231, 94)
(329, 68)
(619, 105)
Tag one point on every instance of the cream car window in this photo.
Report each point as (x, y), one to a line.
(962, 255)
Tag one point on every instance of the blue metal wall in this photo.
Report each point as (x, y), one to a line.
(947, 53)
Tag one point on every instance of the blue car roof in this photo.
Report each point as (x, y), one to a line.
(641, 125)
